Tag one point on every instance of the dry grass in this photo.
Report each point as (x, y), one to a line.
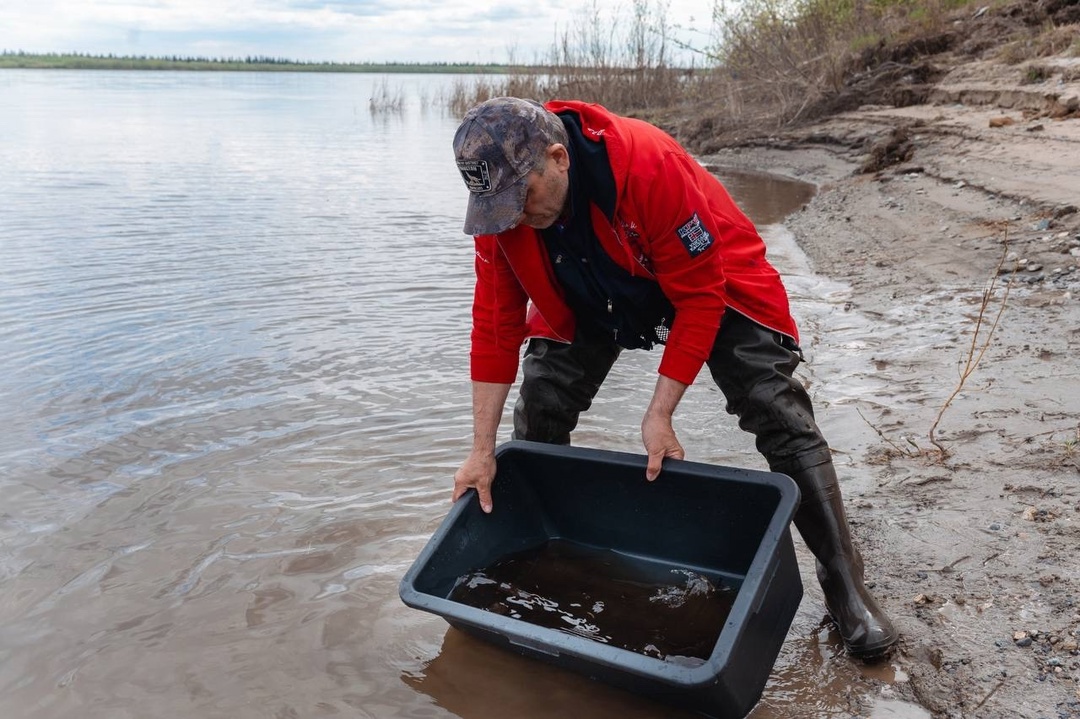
(775, 63)
(386, 100)
(778, 63)
(786, 60)
(1051, 40)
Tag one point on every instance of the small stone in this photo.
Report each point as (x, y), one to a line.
(995, 527)
(1025, 642)
(1033, 267)
(1018, 635)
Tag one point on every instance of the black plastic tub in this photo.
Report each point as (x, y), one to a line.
(728, 524)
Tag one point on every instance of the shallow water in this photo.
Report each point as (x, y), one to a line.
(234, 316)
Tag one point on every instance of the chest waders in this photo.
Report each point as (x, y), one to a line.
(751, 365)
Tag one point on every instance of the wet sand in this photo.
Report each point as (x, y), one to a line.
(972, 551)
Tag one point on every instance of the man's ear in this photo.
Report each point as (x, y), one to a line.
(561, 155)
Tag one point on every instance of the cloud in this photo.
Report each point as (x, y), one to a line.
(341, 30)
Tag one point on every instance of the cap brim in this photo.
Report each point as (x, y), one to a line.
(492, 214)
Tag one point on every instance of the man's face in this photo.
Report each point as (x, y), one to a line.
(546, 196)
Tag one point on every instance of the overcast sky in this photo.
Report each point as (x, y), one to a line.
(341, 30)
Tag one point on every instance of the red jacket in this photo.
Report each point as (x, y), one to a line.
(674, 222)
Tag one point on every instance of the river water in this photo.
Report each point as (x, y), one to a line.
(234, 315)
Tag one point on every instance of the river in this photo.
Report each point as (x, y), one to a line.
(234, 313)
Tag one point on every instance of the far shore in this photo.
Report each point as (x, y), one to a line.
(65, 61)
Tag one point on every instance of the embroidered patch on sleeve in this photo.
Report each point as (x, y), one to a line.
(694, 236)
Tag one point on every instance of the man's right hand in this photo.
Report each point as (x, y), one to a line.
(478, 472)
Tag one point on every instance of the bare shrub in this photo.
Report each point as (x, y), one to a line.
(991, 308)
(603, 57)
(622, 65)
(770, 63)
(787, 58)
(981, 335)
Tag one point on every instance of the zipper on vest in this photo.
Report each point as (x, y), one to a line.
(614, 332)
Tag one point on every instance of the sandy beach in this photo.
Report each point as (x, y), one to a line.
(955, 224)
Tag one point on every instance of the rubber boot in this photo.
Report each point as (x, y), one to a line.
(867, 632)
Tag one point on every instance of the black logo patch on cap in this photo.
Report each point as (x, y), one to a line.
(695, 237)
(477, 177)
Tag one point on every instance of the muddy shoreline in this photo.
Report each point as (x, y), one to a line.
(962, 476)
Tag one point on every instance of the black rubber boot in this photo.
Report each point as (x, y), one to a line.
(867, 632)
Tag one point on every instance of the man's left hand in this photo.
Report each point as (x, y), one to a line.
(660, 442)
(656, 430)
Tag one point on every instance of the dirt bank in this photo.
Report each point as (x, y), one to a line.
(922, 210)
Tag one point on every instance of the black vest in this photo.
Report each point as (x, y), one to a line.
(605, 298)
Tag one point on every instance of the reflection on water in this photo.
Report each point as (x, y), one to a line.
(234, 316)
(475, 680)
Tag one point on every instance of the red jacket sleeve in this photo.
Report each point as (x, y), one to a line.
(499, 326)
(685, 230)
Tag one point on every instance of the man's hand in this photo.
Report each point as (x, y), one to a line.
(660, 442)
(656, 431)
(478, 472)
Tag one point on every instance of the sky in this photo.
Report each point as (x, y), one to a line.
(323, 30)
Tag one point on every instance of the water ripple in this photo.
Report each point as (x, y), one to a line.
(234, 315)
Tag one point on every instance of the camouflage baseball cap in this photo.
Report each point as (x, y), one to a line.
(498, 142)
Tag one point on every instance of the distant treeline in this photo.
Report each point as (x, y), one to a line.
(82, 61)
